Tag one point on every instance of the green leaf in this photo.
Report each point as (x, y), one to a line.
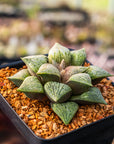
(32, 87)
(58, 52)
(65, 111)
(78, 57)
(97, 72)
(79, 83)
(34, 62)
(48, 72)
(92, 96)
(19, 77)
(57, 92)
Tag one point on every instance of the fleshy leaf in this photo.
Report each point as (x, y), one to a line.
(78, 57)
(57, 92)
(92, 96)
(65, 111)
(32, 87)
(19, 77)
(71, 70)
(58, 53)
(97, 72)
(79, 83)
(34, 62)
(48, 72)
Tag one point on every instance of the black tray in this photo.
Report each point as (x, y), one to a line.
(4, 60)
(99, 132)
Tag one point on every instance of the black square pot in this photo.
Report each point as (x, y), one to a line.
(99, 132)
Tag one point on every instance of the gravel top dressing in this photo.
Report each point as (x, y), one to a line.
(40, 117)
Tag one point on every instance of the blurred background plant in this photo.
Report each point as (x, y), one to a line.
(32, 27)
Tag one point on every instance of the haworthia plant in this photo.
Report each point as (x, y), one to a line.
(71, 70)
(65, 111)
(48, 72)
(79, 83)
(92, 96)
(19, 77)
(57, 92)
(34, 62)
(32, 87)
(64, 80)
(78, 57)
(58, 52)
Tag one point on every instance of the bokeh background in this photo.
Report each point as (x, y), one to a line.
(29, 27)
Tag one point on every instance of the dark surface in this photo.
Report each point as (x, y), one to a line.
(8, 133)
(100, 132)
(4, 60)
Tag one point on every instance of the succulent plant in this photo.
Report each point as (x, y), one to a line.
(58, 53)
(19, 77)
(61, 78)
(78, 57)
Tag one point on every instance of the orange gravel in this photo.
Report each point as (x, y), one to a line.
(41, 118)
